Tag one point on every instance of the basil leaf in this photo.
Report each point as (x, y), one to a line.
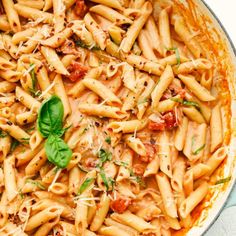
(104, 178)
(50, 117)
(198, 150)
(57, 151)
(186, 102)
(108, 140)
(222, 181)
(85, 184)
(104, 155)
(2, 134)
(15, 143)
(121, 163)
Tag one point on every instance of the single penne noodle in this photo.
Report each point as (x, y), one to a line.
(128, 76)
(15, 131)
(135, 28)
(79, 87)
(167, 195)
(7, 87)
(96, 30)
(199, 170)
(203, 107)
(5, 147)
(74, 181)
(26, 118)
(6, 101)
(22, 36)
(180, 134)
(59, 15)
(188, 183)
(135, 144)
(74, 160)
(26, 156)
(146, 47)
(206, 79)
(101, 90)
(132, 220)
(53, 60)
(12, 15)
(193, 200)
(36, 163)
(47, 227)
(153, 34)
(10, 178)
(152, 167)
(57, 39)
(10, 75)
(193, 114)
(43, 217)
(4, 24)
(127, 158)
(183, 32)
(166, 105)
(165, 154)
(101, 110)
(27, 100)
(197, 64)
(101, 213)
(60, 91)
(47, 5)
(216, 158)
(6, 41)
(81, 213)
(32, 13)
(201, 92)
(164, 29)
(116, 34)
(165, 80)
(110, 14)
(6, 65)
(216, 128)
(172, 60)
(196, 141)
(127, 126)
(35, 140)
(178, 175)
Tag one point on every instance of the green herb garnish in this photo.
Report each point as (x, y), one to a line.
(104, 178)
(81, 44)
(25, 140)
(198, 150)
(15, 143)
(121, 163)
(108, 139)
(104, 155)
(85, 184)
(186, 102)
(2, 134)
(222, 181)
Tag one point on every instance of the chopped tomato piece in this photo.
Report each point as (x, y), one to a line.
(120, 205)
(80, 8)
(77, 71)
(170, 120)
(167, 121)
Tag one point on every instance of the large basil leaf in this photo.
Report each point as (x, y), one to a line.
(57, 151)
(50, 117)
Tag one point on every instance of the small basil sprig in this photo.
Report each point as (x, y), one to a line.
(85, 185)
(49, 123)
